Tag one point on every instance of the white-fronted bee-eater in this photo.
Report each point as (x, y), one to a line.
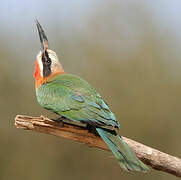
(75, 99)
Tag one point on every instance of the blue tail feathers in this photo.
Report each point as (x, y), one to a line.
(125, 156)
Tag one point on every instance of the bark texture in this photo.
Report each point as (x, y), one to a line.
(156, 159)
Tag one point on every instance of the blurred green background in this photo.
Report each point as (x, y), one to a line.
(128, 50)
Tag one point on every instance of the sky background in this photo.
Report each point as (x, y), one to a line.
(128, 50)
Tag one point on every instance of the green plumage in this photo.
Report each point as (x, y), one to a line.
(72, 97)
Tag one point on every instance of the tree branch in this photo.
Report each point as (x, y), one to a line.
(156, 159)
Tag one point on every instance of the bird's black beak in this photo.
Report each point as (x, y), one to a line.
(43, 38)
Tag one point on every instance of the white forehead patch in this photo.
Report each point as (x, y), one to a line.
(55, 64)
(53, 56)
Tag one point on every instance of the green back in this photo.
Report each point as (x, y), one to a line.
(72, 97)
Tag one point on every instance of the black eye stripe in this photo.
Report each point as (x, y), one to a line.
(46, 64)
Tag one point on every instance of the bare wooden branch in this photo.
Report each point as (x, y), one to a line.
(156, 159)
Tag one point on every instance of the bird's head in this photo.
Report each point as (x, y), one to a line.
(47, 63)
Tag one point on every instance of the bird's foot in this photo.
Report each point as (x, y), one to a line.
(92, 129)
(59, 120)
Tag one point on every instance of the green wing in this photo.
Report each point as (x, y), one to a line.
(73, 98)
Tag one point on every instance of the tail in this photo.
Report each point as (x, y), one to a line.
(126, 157)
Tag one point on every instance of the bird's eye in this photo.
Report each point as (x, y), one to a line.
(48, 61)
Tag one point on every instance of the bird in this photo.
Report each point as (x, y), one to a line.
(75, 99)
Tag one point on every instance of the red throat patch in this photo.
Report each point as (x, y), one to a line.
(37, 75)
(37, 70)
(39, 80)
